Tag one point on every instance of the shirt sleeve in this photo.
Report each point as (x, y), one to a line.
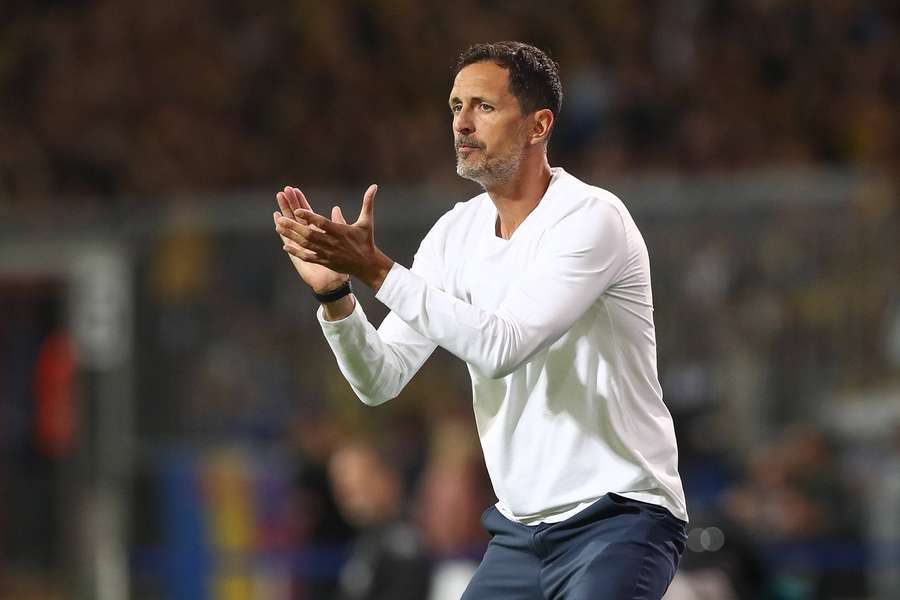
(379, 363)
(579, 258)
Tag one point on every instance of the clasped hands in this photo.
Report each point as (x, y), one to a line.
(333, 244)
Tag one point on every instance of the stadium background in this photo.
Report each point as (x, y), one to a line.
(168, 405)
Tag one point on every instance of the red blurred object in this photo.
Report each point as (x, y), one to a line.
(55, 397)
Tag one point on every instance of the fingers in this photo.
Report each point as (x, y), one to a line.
(367, 212)
(284, 204)
(307, 256)
(295, 231)
(292, 200)
(320, 222)
(301, 253)
(337, 216)
(275, 217)
(300, 233)
(301, 199)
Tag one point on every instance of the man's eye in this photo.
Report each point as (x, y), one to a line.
(486, 107)
(455, 108)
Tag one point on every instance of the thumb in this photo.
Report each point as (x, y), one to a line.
(367, 212)
(337, 216)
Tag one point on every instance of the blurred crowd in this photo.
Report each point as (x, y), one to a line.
(107, 99)
(767, 316)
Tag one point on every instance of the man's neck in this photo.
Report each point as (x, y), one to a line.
(519, 196)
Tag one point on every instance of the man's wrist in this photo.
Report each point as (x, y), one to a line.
(334, 294)
(339, 309)
(377, 272)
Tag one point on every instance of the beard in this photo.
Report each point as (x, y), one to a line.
(489, 171)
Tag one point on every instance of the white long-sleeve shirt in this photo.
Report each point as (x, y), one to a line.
(556, 327)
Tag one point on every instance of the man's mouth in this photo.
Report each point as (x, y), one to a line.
(467, 145)
(466, 148)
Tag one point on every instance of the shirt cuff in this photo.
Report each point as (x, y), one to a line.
(392, 284)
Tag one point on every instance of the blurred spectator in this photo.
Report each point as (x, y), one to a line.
(451, 501)
(722, 562)
(324, 533)
(388, 560)
(794, 491)
(795, 495)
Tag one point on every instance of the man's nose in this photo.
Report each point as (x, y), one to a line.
(463, 123)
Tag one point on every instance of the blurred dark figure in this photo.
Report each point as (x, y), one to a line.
(323, 533)
(388, 560)
(451, 497)
(796, 500)
(39, 439)
(722, 562)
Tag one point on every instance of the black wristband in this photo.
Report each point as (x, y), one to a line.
(335, 294)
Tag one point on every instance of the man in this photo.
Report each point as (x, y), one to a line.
(542, 286)
(388, 561)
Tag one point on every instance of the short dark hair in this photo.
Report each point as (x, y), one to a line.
(533, 75)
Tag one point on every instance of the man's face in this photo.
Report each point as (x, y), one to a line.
(489, 129)
(364, 489)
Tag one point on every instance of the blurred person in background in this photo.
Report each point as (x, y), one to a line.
(388, 560)
(449, 504)
(795, 496)
(542, 286)
(722, 562)
(322, 529)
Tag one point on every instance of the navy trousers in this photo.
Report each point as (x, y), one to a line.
(616, 549)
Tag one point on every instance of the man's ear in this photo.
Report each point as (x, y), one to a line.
(543, 124)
